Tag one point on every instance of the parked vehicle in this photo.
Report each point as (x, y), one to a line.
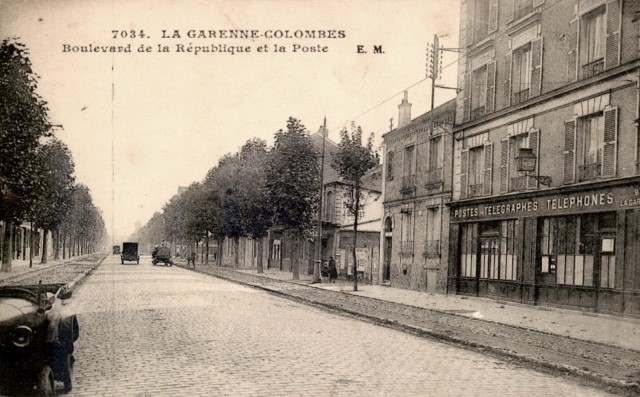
(162, 254)
(130, 253)
(36, 339)
(116, 250)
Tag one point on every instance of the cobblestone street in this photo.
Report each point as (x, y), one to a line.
(155, 330)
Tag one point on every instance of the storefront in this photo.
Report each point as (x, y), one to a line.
(572, 248)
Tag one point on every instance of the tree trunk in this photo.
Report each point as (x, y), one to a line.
(206, 249)
(260, 248)
(219, 258)
(295, 263)
(355, 236)
(31, 246)
(44, 246)
(7, 250)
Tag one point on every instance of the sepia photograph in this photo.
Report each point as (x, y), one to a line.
(320, 198)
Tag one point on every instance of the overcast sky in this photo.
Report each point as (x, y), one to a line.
(141, 124)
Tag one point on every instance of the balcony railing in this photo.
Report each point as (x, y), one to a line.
(406, 247)
(475, 190)
(589, 171)
(408, 184)
(477, 112)
(433, 176)
(431, 248)
(520, 96)
(593, 68)
(518, 183)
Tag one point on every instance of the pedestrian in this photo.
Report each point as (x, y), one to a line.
(192, 259)
(333, 271)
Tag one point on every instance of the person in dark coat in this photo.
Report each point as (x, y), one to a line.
(333, 271)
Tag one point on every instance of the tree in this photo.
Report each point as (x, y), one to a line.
(352, 160)
(292, 175)
(56, 200)
(23, 121)
(255, 213)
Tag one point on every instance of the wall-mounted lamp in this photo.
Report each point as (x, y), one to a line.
(526, 163)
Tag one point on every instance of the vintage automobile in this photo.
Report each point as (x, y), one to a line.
(116, 250)
(162, 254)
(36, 339)
(130, 253)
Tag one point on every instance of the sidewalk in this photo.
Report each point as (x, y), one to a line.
(20, 266)
(600, 328)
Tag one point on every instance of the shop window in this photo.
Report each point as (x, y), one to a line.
(468, 250)
(569, 247)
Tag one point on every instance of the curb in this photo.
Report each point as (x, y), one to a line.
(80, 279)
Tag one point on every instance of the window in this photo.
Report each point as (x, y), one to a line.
(408, 171)
(406, 241)
(330, 208)
(390, 165)
(478, 92)
(475, 171)
(593, 42)
(480, 19)
(434, 160)
(432, 243)
(434, 173)
(517, 182)
(591, 142)
(522, 8)
(521, 74)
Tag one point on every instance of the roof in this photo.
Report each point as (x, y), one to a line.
(441, 113)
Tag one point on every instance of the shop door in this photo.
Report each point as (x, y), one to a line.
(488, 263)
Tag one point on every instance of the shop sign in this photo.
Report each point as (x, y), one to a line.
(601, 200)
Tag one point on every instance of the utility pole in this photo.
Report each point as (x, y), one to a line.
(434, 66)
(318, 261)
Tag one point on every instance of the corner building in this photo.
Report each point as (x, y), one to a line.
(561, 79)
(416, 188)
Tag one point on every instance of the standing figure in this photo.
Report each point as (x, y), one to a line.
(333, 271)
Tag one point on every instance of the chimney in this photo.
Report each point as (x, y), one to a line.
(404, 111)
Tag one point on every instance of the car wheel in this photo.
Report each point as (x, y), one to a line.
(67, 374)
(45, 385)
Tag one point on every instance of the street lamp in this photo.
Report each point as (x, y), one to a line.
(526, 163)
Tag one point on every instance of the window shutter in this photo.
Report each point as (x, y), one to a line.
(487, 174)
(610, 141)
(493, 15)
(506, 87)
(569, 151)
(464, 172)
(612, 54)
(534, 144)
(466, 99)
(572, 56)
(504, 165)
(490, 105)
(536, 67)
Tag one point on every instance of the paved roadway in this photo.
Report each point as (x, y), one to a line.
(165, 331)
